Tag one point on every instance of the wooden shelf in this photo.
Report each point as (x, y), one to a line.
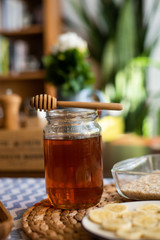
(31, 30)
(39, 37)
(23, 76)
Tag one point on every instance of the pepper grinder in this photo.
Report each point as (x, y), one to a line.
(10, 104)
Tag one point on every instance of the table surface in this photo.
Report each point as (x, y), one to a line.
(18, 194)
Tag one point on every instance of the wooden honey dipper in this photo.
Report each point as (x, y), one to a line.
(46, 102)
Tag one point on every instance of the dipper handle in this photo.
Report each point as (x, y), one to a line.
(46, 102)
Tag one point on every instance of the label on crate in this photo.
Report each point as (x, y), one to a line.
(21, 150)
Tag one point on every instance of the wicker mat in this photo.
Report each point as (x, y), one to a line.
(42, 221)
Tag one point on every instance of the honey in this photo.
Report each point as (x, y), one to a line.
(73, 170)
(73, 167)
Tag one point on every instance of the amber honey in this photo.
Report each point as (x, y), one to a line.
(73, 171)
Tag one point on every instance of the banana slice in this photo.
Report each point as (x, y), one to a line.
(115, 224)
(116, 208)
(145, 221)
(133, 233)
(131, 214)
(151, 208)
(98, 215)
(153, 233)
(157, 216)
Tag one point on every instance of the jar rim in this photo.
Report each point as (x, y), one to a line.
(69, 113)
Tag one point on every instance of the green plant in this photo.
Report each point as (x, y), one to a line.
(68, 70)
(116, 34)
(130, 88)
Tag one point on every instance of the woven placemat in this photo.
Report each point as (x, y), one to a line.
(42, 221)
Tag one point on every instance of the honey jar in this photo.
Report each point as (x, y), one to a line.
(73, 158)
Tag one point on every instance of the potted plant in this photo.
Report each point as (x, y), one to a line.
(67, 67)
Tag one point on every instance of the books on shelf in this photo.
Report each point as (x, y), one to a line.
(15, 56)
(14, 15)
(4, 55)
(19, 52)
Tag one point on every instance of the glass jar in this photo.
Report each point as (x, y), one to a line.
(73, 158)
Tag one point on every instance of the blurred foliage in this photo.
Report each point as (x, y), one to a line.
(69, 71)
(117, 34)
(130, 90)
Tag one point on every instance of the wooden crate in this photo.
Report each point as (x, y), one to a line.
(21, 150)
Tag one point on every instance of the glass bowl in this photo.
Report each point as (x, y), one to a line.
(138, 178)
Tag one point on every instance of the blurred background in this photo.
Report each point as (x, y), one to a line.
(123, 38)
